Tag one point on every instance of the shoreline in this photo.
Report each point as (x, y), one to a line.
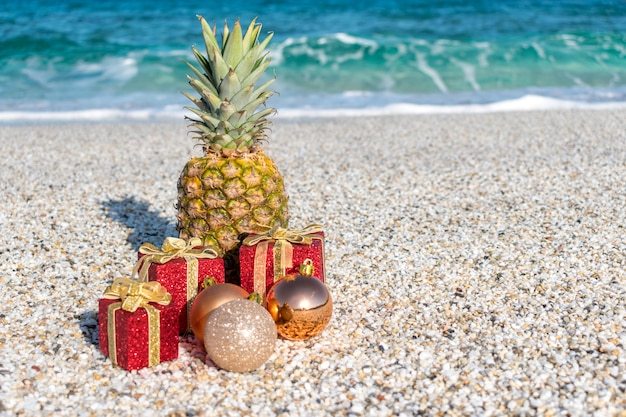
(170, 113)
(476, 264)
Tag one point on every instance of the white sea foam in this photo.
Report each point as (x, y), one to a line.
(277, 50)
(528, 102)
(304, 47)
(571, 41)
(469, 71)
(82, 74)
(440, 46)
(111, 68)
(351, 40)
(423, 66)
(168, 112)
(391, 57)
(485, 51)
(541, 53)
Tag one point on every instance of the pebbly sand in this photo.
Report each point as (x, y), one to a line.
(477, 264)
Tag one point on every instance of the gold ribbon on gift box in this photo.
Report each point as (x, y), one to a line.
(283, 250)
(174, 248)
(133, 295)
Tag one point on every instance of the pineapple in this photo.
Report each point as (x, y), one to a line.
(235, 187)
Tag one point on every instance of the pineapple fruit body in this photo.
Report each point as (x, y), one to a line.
(221, 198)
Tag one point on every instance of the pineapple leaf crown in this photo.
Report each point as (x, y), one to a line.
(227, 116)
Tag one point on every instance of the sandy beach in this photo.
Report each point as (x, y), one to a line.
(477, 264)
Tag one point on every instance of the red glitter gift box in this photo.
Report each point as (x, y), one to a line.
(137, 339)
(181, 271)
(265, 258)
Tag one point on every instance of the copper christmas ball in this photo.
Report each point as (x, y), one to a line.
(301, 306)
(208, 300)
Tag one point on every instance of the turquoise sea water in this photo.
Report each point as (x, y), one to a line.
(111, 59)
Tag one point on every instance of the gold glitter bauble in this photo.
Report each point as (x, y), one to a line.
(300, 305)
(208, 300)
(240, 336)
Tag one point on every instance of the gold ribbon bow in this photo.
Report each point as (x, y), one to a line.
(174, 248)
(133, 295)
(283, 250)
(277, 233)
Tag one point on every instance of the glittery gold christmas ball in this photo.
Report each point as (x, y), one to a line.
(300, 305)
(208, 300)
(240, 336)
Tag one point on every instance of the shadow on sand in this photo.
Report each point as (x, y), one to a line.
(145, 225)
(88, 323)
